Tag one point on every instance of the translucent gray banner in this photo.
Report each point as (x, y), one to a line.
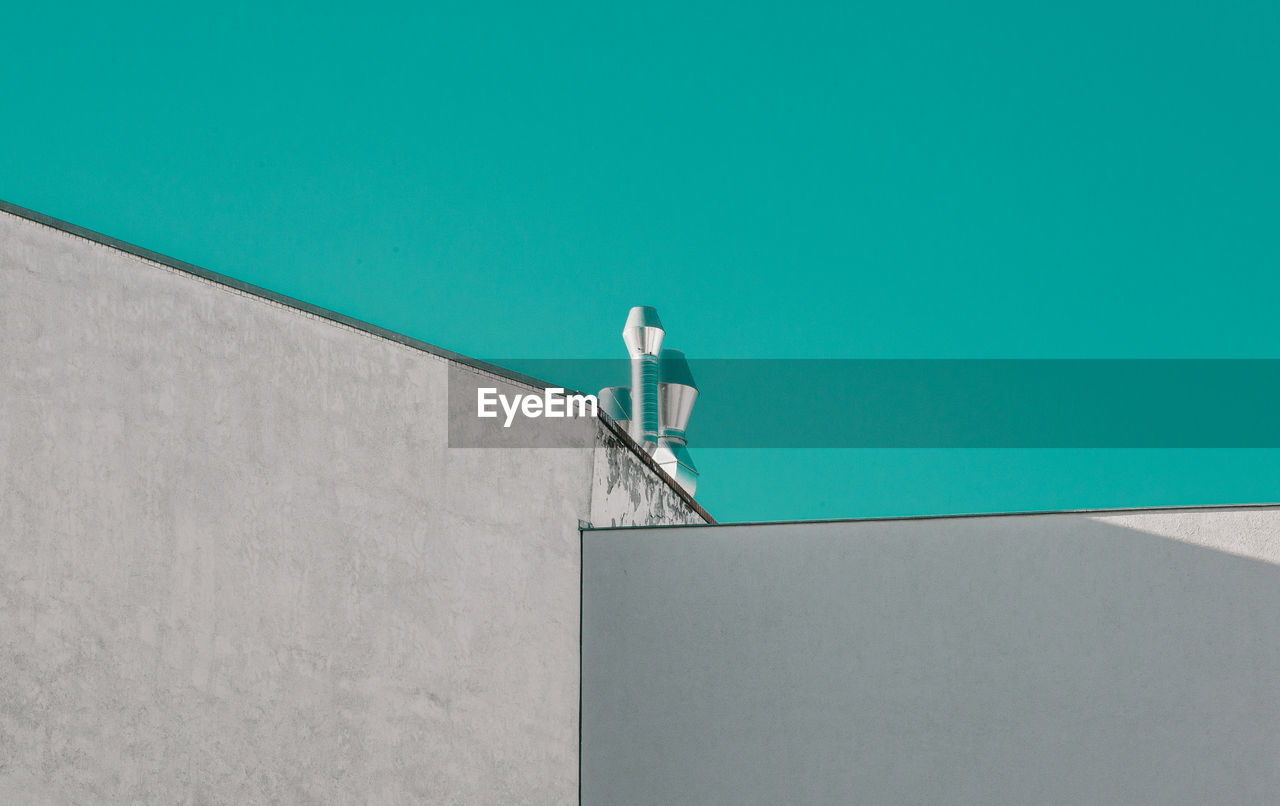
(944, 403)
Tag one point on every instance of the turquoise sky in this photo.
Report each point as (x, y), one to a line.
(1082, 179)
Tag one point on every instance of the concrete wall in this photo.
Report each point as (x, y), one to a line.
(238, 563)
(1121, 658)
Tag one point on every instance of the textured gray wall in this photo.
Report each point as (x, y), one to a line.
(1126, 658)
(238, 563)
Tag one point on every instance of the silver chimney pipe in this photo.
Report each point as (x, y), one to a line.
(677, 392)
(655, 409)
(643, 335)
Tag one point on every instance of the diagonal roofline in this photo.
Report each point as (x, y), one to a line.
(267, 294)
(342, 319)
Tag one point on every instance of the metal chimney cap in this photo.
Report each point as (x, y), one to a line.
(643, 332)
(673, 367)
(643, 316)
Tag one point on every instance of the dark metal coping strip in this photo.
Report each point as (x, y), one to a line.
(955, 516)
(342, 319)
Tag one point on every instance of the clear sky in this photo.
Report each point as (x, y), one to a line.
(860, 180)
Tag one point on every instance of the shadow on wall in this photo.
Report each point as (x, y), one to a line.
(1041, 659)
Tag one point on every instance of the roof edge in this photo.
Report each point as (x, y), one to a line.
(267, 294)
(957, 516)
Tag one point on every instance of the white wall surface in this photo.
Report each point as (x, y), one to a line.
(238, 563)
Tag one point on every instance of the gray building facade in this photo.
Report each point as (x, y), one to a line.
(1076, 658)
